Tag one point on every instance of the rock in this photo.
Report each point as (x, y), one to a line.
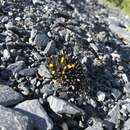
(5, 74)
(36, 113)
(93, 128)
(24, 88)
(28, 72)
(8, 96)
(108, 125)
(39, 39)
(127, 89)
(9, 25)
(43, 71)
(112, 120)
(13, 120)
(38, 2)
(116, 94)
(50, 48)
(64, 126)
(126, 125)
(60, 106)
(101, 96)
(47, 89)
(17, 66)
(6, 54)
(125, 78)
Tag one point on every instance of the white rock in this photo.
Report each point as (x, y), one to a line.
(101, 96)
(6, 54)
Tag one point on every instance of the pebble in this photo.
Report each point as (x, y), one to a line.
(101, 96)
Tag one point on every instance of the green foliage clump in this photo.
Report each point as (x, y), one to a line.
(123, 4)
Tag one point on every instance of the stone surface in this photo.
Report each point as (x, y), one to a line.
(43, 71)
(13, 120)
(36, 113)
(17, 66)
(62, 107)
(28, 72)
(8, 96)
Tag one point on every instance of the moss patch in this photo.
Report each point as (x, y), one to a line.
(123, 4)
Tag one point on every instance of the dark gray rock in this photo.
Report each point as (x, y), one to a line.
(39, 39)
(108, 125)
(60, 106)
(113, 118)
(50, 48)
(13, 120)
(28, 72)
(6, 54)
(8, 96)
(5, 74)
(34, 110)
(17, 66)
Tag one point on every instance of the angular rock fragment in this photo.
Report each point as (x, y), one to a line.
(34, 110)
(126, 125)
(39, 39)
(13, 120)
(43, 71)
(28, 72)
(60, 106)
(8, 96)
(113, 119)
(17, 66)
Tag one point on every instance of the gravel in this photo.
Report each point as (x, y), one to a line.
(64, 64)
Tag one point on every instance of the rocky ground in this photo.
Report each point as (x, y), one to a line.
(64, 65)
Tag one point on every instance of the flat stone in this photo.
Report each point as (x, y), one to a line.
(8, 96)
(34, 110)
(28, 72)
(122, 33)
(17, 66)
(13, 120)
(60, 106)
(38, 39)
